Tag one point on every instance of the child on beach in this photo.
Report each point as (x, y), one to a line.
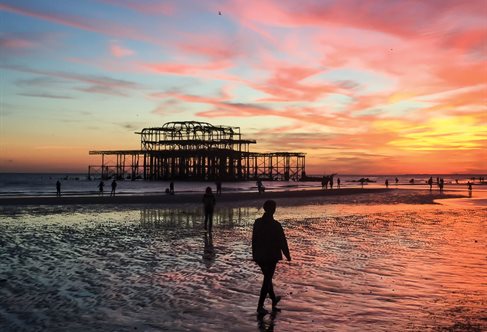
(209, 202)
(268, 244)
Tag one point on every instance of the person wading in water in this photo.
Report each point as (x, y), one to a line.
(268, 244)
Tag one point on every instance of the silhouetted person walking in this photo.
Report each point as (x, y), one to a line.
(338, 183)
(171, 188)
(100, 187)
(396, 180)
(58, 188)
(209, 202)
(268, 244)
(430, 183)
(114, 186)
(441, 184)
(387, 183)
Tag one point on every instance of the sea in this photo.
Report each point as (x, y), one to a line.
(78, 184)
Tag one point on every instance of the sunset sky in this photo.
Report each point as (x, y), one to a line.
(376, 87)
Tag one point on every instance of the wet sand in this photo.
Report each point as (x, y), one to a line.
(387, 261)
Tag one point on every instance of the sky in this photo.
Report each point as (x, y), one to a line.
(361, 87)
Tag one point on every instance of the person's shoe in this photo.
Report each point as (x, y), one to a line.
(275, 302)
(262, 311)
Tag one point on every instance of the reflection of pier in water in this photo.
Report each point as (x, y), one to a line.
(197, 151)
(193, 217)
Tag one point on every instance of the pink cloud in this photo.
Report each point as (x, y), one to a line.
(215, 47)
(182, 69)
(400, 18)
(119, 51)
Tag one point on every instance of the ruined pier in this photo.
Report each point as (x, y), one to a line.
(198, 151)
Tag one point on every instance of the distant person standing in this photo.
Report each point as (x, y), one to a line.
(338, 183)
(218, 187)
(396, 180)
(114, 186)
(469, 185)
(268, 244)
(58, 188)
(430, 183)
(209, 202)
(260, 186)
(331, 182)
(441, 184)
(387, 183)
(100, 188)
(171, 188)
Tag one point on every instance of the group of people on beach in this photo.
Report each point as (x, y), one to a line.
(101, 186)
(328, 179)
(440, 182)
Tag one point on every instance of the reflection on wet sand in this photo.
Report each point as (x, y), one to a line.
(267, 322)
(209, 250)
(192, 217)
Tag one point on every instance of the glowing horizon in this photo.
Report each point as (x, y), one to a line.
(376, 87)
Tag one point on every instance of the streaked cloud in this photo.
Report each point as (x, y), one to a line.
(94, 83)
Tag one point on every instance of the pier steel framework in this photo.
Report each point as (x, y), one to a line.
(200, 151)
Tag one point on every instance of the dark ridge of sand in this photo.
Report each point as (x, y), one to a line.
(181, 198)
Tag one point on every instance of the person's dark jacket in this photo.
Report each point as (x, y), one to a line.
(209, 201)
(268, 240)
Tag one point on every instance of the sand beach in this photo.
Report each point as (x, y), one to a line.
(368, 260)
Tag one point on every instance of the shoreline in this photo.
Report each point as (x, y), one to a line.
(293, 197)
(181, 198)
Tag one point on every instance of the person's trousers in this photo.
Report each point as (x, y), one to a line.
(268, 269)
